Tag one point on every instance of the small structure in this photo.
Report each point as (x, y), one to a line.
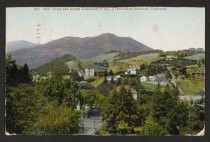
(92, 69)
(109, 78)
(170, 58)
(190, 98)
(198, 74)
(158, 78)
(131, 71)
(143, 78)
(152, 78)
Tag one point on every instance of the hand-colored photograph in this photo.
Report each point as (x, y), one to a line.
(104, 71)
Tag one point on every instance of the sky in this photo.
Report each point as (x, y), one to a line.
(163, 28)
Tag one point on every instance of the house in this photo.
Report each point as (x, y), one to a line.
(131, 71)
(198, 74)
(109, 78)
(158, 78)
(161, 79)
(127, 87)
(170, 58)
(143, 78)
(190, 98)
(92, 69)
(152, 78)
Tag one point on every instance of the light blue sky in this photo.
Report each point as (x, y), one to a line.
(170, 29)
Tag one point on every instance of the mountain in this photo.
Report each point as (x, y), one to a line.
(82, 48)
(195, 49)
(19, 44)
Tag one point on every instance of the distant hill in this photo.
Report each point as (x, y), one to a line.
(58, 64)
(196, 50)
(20, 44)
(81, 48)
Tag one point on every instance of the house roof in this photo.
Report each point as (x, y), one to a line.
(95, 66)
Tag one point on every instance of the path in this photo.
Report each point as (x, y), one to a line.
(91, 124)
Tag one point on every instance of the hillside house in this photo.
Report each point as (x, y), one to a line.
(198, 74)
(152, 78)
(143, 79)
(109, 78)
(131, 72)
(158, 78)
(92, 69)
(170, 58)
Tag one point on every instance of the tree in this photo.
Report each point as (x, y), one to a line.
(119, 109)
(16, 74)
(23, 104)
(152, 128)
(56, 119)
(91, 97)
(162, 104)
(177, 118)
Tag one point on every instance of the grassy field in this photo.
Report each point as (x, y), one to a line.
(101, 58)
(196, 57)
(97, 81)
(191, 87)
(195, 68)
(118, 66)
(139, 60)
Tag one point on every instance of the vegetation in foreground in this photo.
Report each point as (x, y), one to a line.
(49, 106)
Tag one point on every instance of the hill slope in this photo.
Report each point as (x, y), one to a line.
(58, 64)
(82, 48)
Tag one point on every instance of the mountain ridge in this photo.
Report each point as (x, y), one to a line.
(82, 48)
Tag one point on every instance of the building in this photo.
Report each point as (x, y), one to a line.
(131, 71)
(143, 79)
(92, 69)
(158, 78)
(109, 78)
(152, 78)
(190, 98)
(170, 58)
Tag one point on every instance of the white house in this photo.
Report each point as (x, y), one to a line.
(92, 69)
(152, 78)
(171, 58)
(131, 71)
(143, 78)
(109, 78)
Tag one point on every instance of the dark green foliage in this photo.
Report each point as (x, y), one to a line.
(16, 74)
(153, 69)
(177, 118)
(74, 75)
(59, 64)
(105, 88)
(119, 111)
(178, 62)
(162, 104)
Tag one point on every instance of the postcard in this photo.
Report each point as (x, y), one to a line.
(103, 71)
